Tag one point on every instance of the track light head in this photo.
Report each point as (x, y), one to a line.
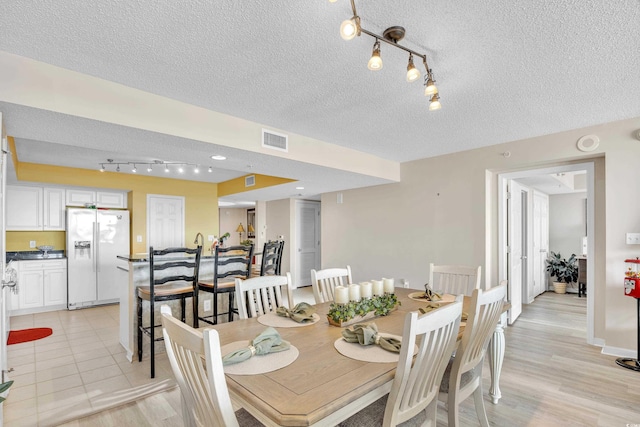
(350, 28)
(118, 168)
(102, 167)
(413, 73)
(430, 88)
(210, 170)
(134, 169)
(149, 168)
(196, 169)
(166, 168)
(435, 103)
(375, 63)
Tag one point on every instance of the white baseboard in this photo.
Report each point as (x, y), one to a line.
(619, 352)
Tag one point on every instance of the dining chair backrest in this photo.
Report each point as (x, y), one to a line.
(232, 261)
(417, 380)
(325, 281)
(263, 294)
(464, 376)
(203, 386)
(279, 263)
(454, 279)
(269, 264)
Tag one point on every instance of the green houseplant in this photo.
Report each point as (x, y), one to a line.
(564, 270)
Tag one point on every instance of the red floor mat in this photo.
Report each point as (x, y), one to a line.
(25, 335)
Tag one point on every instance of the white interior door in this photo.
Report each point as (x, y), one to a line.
(516, 259)
(4, 296)
(308, 241)
(540, 240)
(165, 221)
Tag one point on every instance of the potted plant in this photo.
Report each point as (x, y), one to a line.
(564, 270)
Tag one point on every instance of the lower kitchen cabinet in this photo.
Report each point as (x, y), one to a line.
(42, 286)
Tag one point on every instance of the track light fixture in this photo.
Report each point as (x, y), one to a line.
(351, 28)
(413, 73)
(177, 166)
(435, 103)
(375, 63)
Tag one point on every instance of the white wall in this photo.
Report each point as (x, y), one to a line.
(445, 210)
(567, 223)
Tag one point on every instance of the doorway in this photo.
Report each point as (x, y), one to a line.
(530, 285)
(307, 256)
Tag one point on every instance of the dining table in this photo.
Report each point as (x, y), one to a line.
(322, 387)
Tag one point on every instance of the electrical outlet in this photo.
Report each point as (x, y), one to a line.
(139, 238)
(207, 305)
(633, 238)
(210, 237)
(32, 243)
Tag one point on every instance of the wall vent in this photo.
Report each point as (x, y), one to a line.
(249, 181)
(274, 140)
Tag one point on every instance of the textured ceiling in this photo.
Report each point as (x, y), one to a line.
(505, 71)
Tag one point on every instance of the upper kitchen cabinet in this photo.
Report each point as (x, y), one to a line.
(35, 208)
(24, 208)
(102, 199)
(53, 212)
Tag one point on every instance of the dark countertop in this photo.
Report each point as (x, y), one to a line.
(34, 255)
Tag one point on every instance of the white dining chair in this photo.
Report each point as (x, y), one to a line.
(414, 392)
(454, 279)
(205, 397)
(463, 376)
(325, 281)
(263, 294)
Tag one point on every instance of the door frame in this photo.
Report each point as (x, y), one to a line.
(502, 226)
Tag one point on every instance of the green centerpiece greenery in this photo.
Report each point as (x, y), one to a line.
(378, 305)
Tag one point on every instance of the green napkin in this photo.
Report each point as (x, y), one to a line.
(431, 295)
(429, 307)
(301, 313)
(367, 334)
(269, 341)
(433, 305)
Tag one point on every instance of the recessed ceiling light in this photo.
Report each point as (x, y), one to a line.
(218, 157)
(299, 188)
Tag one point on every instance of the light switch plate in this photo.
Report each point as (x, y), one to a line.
(207, 305)
(32, 243)
(139, 238)
(633, 238)
(210, 237)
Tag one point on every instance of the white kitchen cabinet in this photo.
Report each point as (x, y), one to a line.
(102, 199)
(54, 206)
(24, 208)
(42, 286)
(31, 291)
(55, 286)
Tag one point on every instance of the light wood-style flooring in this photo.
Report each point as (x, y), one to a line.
(550, 377)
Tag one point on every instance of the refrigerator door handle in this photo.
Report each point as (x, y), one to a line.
(96, 241)
(93, 250)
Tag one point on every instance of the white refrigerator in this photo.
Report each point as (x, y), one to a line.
(94, 239)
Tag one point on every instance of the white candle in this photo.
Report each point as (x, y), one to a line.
(377, 287)
(354, 292)
(366, 290)
(341, 295)
(388, 285)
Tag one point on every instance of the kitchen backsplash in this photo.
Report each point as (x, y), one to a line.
(19, 240)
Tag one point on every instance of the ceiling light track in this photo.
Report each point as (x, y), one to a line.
(352, 27)
(177, 166)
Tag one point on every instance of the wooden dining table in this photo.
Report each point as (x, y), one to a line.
(321, 387)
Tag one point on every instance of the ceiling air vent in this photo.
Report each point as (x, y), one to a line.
(275, 141)
(249, 181)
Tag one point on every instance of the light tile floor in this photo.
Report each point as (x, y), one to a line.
(81, 368)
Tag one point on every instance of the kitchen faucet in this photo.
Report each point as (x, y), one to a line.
(196, 239)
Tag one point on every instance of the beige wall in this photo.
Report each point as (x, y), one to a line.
(445, 211)
(278, 219)
(567, 222)
(229, 221)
